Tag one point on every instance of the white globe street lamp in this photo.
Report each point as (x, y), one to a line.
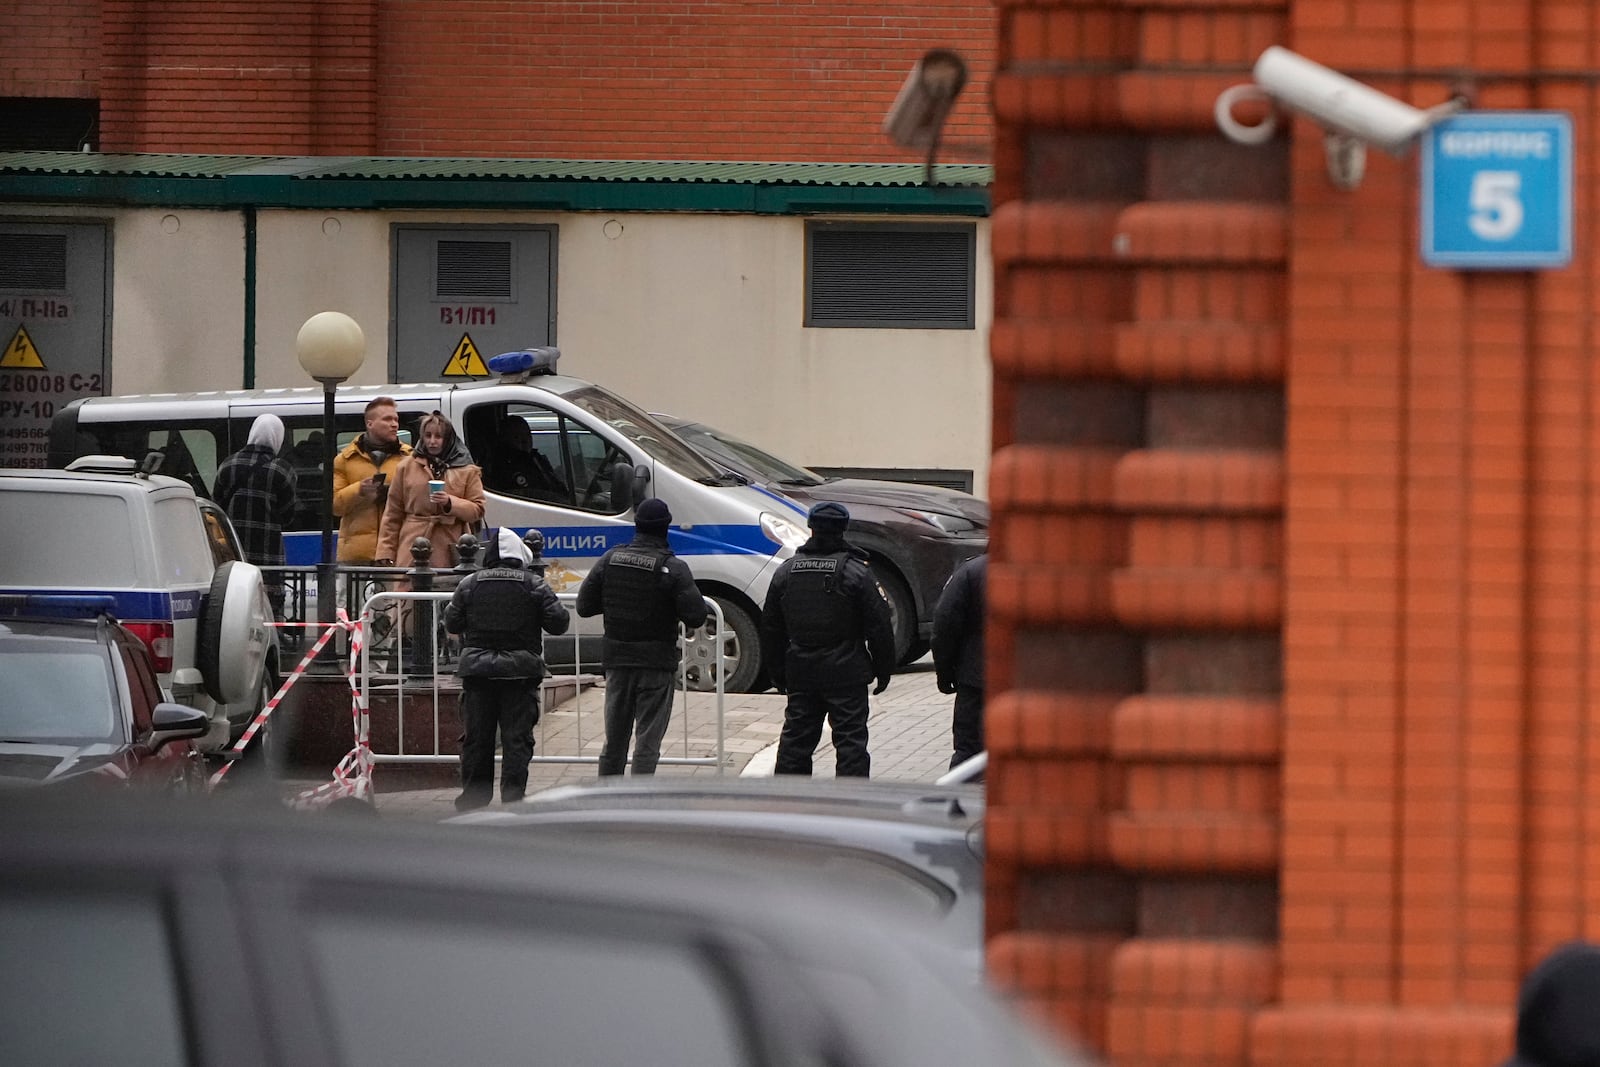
(330, 347)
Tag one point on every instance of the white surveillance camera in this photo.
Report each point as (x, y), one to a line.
(1352, 114)
(1338, 103)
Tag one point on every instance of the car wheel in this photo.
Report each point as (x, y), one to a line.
(740, 648)
(233, 638)
(902, 614)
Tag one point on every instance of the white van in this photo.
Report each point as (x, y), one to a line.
(607, 453)
(148, 544)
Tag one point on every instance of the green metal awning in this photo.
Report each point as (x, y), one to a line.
(374, 182)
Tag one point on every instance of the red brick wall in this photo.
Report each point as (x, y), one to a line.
(686, 80)
(52, 48)
(1291, 640)
(761, 80)
(292, 77)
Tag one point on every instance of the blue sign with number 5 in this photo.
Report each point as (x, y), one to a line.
(1497, 191)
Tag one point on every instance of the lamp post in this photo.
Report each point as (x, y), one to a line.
(330, 347)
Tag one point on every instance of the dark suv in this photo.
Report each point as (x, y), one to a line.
(79, 701)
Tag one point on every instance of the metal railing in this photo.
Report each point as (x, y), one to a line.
(407, 681)
(355, 585)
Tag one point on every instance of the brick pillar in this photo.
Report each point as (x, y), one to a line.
(1294, 554)
(1136, 586)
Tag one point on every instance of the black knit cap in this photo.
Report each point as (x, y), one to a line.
(828, 515)
(653, 516)
(1558, 1011)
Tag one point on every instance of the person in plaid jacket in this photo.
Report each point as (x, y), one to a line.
(255, 486)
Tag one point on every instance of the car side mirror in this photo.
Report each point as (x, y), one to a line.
(175, 722)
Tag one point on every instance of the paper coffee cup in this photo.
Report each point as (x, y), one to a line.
(435, 487)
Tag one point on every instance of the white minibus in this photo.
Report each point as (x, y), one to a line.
(607, 452)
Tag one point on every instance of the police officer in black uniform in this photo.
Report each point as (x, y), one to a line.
(958, 654)
(825, 633)
(500, 609)
(644, 592)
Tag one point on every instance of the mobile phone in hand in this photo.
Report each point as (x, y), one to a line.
(379, 478)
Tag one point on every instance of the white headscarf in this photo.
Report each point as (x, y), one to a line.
(267, 430)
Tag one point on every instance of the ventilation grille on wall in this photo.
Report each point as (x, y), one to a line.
(474, 270)
(33, 261)
(890, 276)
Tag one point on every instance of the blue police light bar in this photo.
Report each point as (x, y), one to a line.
(57, 605)
(527, 361)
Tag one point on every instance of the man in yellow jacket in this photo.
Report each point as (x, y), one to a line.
(361, 473)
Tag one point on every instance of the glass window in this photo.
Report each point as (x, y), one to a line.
(88, 979)
(190, 454)
(220, 535)
(57, 691)
(511, 990)
(745, 457)
(523, 452)
(143, 691)
(183, 552)
(588, 459)
(66, 539)
(643, 430)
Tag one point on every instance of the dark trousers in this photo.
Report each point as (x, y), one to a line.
(846, 711)
(966, 723)
(510, 705)
(638, 705)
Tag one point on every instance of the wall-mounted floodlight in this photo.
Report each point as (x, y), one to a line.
(1353, 115)
(916, 118)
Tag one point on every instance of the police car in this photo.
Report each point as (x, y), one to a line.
(103, 527)
(82, 705)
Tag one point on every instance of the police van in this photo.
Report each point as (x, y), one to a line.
(605, 453)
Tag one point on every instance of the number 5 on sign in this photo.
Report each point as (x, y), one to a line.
(1496, 204)
(1497, 191)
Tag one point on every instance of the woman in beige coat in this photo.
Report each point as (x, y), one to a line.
(413, 510)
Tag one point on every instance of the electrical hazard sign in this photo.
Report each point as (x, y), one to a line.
(21, 354)
(466, 361)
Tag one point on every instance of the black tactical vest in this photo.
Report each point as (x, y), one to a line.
(636, 597)
(816, 604)
(502, 611)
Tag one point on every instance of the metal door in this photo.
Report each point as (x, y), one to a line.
(55, 328)
(463, 294)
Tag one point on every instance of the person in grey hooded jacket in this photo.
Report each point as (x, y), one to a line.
(500, 610)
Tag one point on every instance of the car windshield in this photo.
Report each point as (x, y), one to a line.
(57, 691)
(746, 457)
(642, 430)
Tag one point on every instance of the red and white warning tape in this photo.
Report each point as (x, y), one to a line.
(344, 784)
(353, 776)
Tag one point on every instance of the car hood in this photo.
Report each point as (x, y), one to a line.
(849, 491)
(30, 764)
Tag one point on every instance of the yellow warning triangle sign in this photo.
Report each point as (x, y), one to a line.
(465, 361)
(21, 353)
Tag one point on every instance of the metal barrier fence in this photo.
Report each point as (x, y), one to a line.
(408, 679)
